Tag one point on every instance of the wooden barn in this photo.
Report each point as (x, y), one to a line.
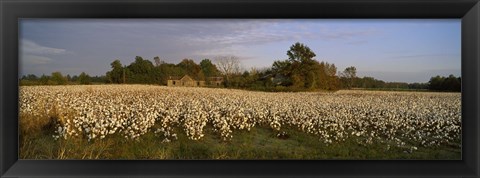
(185, 81)
(215, 81)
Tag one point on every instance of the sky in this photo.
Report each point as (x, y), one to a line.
(401, 50)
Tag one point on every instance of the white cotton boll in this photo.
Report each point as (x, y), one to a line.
(134, 110)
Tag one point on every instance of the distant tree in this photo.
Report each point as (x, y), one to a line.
(369, 82)
(450, 83)
(166, 70)
(418, 86)
(228, 65)
(332, 82)
(297, 81)
(117, 72)
(192, 69)
(311, 80)
(44, 79)
(459, 84)
(330, 69)
(58, 78)
(158, 61)
(251, 77)
(209, 69)
(299, 53)
(282, 67)
(84, 79)
(302, 71)
(99, 79)
(30, 77)
(397, 85)
(350, 73)
(140, 71)
(75, 78)
(435, 83)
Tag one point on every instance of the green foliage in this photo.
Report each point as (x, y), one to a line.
(116, 74)
(143, 71)
(302, 72)
(31, 77)
(158, 61)
(450, 83)
(418, 86)
(297, 81)
(140, 71)
(282, 67)
(350, 74)
(311, 80)
(209, 69)
(192, 69)
(44, 79)
(437, 83)
(300, 53)
(84, 79)
(58, 78)
(165, 70)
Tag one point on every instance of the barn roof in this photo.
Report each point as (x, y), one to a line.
(174, 78)
(186, 78)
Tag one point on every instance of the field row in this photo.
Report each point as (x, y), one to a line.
(403, 119)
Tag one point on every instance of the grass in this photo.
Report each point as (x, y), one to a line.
(258, 143)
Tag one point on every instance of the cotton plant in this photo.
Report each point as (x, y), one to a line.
(97, 111)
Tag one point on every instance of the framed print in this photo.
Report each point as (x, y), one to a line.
(239, 88)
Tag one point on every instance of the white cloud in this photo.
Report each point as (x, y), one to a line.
(33, 54)
(347, 33)
(30, 47)
(29, 59)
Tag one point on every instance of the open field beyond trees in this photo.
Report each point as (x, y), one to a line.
(158, 122)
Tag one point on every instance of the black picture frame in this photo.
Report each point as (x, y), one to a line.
(11, 11)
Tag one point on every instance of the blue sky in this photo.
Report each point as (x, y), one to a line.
(391, 50)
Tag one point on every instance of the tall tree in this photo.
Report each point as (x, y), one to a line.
(282, 67)
(350, 73)
(141, 71)
(117, 72)
(228, 65)
(331, 78)
(300, 70)
(450, 83)
(58, 78)
(299, 53)
(44, 79)
(84, 78)
(158, 61)
(208, 68)
(192, 69)
(31, 77)
(435, 83)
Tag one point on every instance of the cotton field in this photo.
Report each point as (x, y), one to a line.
(418, 119)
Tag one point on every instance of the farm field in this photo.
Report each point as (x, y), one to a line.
(158, 122)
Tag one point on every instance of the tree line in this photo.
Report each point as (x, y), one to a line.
(143, 71)
(299, 72)
(437, 83)
(57, 78)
